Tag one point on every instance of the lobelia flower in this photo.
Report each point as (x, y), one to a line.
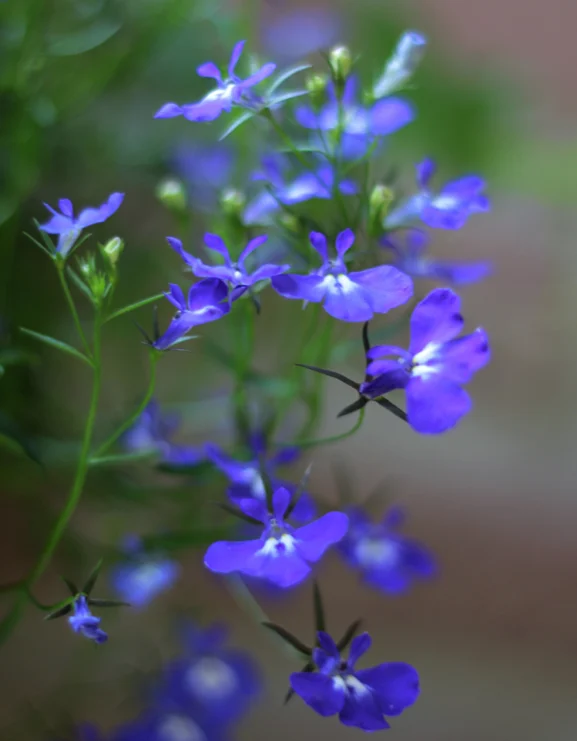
(318, 184)
(68, 227)
(361, 697)
(143, 576)
(361, 124)
(230, 91)
(387, 560)
(215, 683)
(153, 431)
(434, 368)
(84, 622)
(448, 209)
(246, 479)
(352, 297)
(235, 273)
(206, 302)
(282, 554)
(170, 723)
(411, 259)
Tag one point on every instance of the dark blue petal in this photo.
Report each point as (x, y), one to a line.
(435, 405)
(359, 646)
(361, 709)
(395, 685)
(320, 692)
(305, 287)
(460, 358)
(385, 286)
(436, 318)
(312, 540)
(389, 115)
(224, 557)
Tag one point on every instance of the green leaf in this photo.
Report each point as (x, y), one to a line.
(133, 307)
(286, 75)
(83, 40)
(79, 283)
(13, 437)
(52, 342)
(287, 96)
(289, 638)
(235, 124)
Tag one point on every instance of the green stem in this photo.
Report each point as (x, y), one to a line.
(153, 356)
(333, 438)
(132, 307)
(72, 306)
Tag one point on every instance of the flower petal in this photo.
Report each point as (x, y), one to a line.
(57, 224)
(268, 271)
(205, 110)
(460, 358)
(435, 404)
(436, 318)
(346, 300)
(207, 293)
(344, 241)
(395, 685)
(177, 328)
(327, 644)
(176, 297)
(224, 557)
(312, 540)
(305, 287)
(385, 286)
(262, 74)
(280, 502)
(319, 243)
(65, 205)
(389, 115)
(359, 646)
(361, 709)
(216, 243)
(251, 246)
(425, 171)
(169, 110)
(323, 694)
(209, 69)
(235, 56)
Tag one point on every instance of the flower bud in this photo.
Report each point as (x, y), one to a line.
(112, 250)
(172, 194)
(340, 62)
(379, 202)
(317, 85)
(402, 64)
(232, 202)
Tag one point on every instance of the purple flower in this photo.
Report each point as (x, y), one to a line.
(228, 92)
(215, 683)
(435, 366)
(235, 273)
(246, 476)
(448, 209)
(282, 554)
(361, 697)
(360, 124)
(153, 431)
(69, 228)
(206, 302)
(84, 622)
(411, 259)
(317, 184)
(143, 576)
(352, 297)
(169, 724)
(205, 169)
(386, 559)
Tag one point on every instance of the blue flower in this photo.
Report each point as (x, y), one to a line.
(361, 697)
(206, 302)
(246, 476)
(153, 431)
(84, 622)
(69, 228)
(169, 724)
(448, 209)
(387, 560)
(435, 367)
(143, 576)
(228, 92)
(317, 184)
(235, 273)
(215, 683)
(205, 168)
(282, 554)
(411, 259)
(360, 124)
(352, 297)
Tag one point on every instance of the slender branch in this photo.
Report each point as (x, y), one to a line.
(72, 306)
(99, 453)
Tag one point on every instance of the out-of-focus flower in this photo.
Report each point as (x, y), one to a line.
(205, 169)
(206, 302)
(235, 273)
(246, 477)
(387, 560)
(68, 227)
(359, 124)
(282, 554)
(84, 622)
(153, 431)
(352, 297)
(215, 683)
(317, 184)
(169, 724)
(448, 209)
(230, 91)
(401, 65)
(294, 33)
(363, 697)
(143, 576)
(412, 259)
(434, 368)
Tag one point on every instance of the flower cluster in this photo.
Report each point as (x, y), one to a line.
(317, 230)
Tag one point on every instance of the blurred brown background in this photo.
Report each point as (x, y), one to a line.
(494, 638)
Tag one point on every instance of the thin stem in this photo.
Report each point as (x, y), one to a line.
(132, 307)
(72, 306)
(153, 356)
(333, 438)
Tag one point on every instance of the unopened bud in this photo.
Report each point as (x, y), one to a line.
(232, 202)
(112, 250)
(172, 194)
(341, 62)
(379, 202)
(402, 64)
(317, 85)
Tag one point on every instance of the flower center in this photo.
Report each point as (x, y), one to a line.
(376, 552)
(180, 728)
(423, 361)
(211, 679)
(279, 543)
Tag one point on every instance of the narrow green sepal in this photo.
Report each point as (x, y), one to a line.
(71, 586)
(96, 602)
(60, 612)
(238, 513)
(332, 374)
(320, 622)
(289, 638)
(349, 634)
(91, 581)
